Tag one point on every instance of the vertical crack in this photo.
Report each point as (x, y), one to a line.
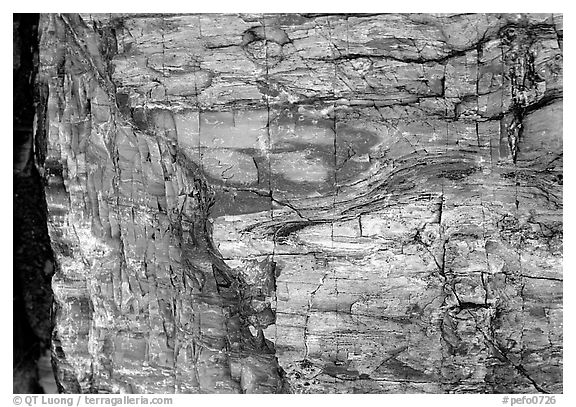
(198, 106)
(335, 180)
(310, 301)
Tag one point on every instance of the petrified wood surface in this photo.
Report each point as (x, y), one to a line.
(305, 203)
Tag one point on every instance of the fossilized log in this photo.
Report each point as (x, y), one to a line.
(307, 203)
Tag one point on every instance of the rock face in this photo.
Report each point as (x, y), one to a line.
(305, 203)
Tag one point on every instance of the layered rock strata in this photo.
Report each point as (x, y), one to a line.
(305, 203)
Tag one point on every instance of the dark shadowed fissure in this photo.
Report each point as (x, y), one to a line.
(33, 260)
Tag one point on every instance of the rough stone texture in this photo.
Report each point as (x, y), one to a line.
(305, 203)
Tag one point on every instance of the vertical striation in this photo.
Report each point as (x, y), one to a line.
(306, 203)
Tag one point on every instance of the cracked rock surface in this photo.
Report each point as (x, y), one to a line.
(304, 203)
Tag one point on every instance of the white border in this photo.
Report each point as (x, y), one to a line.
(196, 6)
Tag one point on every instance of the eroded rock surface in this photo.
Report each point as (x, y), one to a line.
(305, 203)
